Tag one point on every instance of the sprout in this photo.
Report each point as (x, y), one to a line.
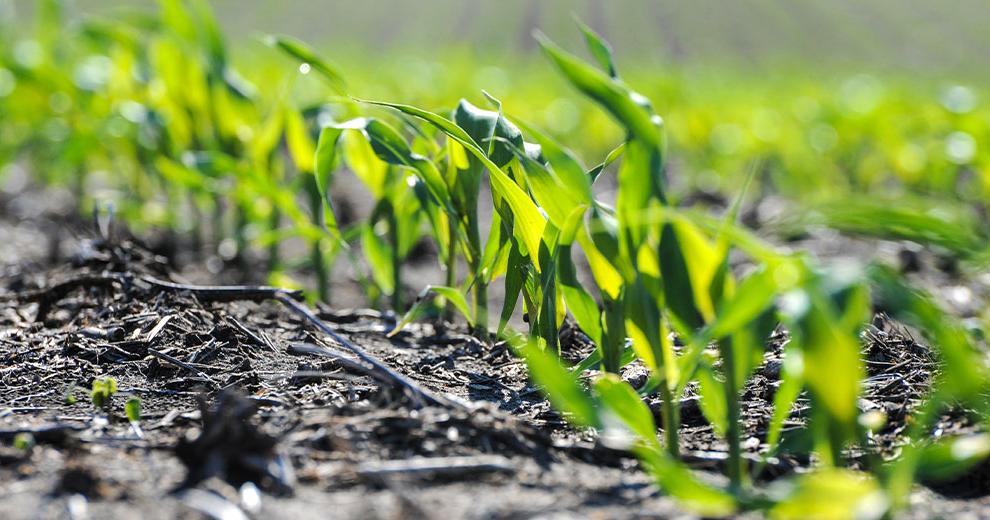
(102, 393)
(24, 441)
(132, 409)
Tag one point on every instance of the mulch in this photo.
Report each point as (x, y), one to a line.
(256, 404)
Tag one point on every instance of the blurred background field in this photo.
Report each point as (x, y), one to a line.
(801, 85)
(843, 106)
(884, 35)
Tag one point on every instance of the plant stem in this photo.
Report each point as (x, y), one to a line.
(480, 286)
(80, 186)
(671, 421)
(218, 231)
(733, 433)
(320, 269)
(316, 249)
(613, 335)
(274, 221)
(481, 310)
(393, 236)
(448, 311)
(196, 230)
(240, 234)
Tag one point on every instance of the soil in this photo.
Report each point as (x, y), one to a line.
(250, 409)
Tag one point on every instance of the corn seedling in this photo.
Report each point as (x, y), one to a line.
(24, 442)
(102, 392)
(69, 396)
(132, 409)
(670, 274)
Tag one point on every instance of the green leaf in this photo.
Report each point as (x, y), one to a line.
(594, 359)
(566, 170)
(791, 382)
(178, 174)
(581, 304)
(390, 147)
(210, 35)
(612, 156)
(300, 144)
(408, 215)
(24, 441)
(362, 160)
(622, 400)
(302, 52)
(548, 317)
(713, 404)
(629, 108)
(949, 458)
(599, 48)
(640, 188)
(378, 254)
(267, 138)
(604, 232)
(527, 219)
(515, 276)
(613, 323)
(495, 254)
(324, 163)
(596, 247)
(492, 132)
(451, 294)
(560, 385)
(722, 277)
(678, 290)
(691, 493)
(132, 408)
(642, 323)
(549, 191)
(754, 295)
(924, 221)
(748, 345)
(176, 17)
(833, 352)
(832, 493)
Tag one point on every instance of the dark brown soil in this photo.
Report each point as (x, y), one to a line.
(249, 391)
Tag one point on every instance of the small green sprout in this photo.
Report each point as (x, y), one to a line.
(70, 396)
(24, 441)
(102, 392)
(133, 409)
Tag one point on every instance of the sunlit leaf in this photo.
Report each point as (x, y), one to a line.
(300, 143)
(628, 107)
(599, 48)
(305, 55)
(677, 284)
(948, 458)
(832, 493)
(691, 493)
(620, 398)
(526, 216)
(451, 294)
(713, 404)
(560, 385)
(612, 156)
